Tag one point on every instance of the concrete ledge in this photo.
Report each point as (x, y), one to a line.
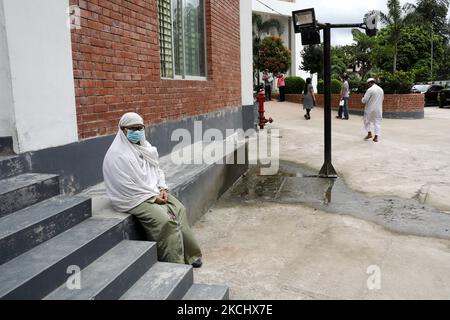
(393, 115)
(197, 186)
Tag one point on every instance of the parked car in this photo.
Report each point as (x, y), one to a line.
(430, 92)
(444, 97)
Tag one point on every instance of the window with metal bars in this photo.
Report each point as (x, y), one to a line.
(182, 38)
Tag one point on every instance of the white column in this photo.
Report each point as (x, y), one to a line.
(40, 59)
(246, 52)
(6, 99)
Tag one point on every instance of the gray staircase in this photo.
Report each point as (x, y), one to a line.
(44, 235)
(25, 190)
(207, 292)
(24, 229)
(37, 272)
(112, 274)
(164, 281)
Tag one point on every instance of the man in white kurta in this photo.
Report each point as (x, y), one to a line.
(136, 184)
(373, 112)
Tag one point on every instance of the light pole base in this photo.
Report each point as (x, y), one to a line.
(327, 171)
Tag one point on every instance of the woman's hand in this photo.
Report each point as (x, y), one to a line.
(163, 197)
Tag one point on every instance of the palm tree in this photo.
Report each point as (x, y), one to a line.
(261, 26)
(397, 18)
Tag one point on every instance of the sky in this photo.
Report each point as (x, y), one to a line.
(344, 11)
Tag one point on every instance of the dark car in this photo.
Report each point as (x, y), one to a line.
(444, 97)
(430, 92)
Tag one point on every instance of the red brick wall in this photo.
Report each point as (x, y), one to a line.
(117, 65)
(392, 102)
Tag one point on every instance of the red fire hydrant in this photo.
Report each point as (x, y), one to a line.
(262, 119)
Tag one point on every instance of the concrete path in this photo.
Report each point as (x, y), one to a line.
(264, 249)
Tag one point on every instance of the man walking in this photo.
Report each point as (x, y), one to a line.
(345, 96)
(373, 111)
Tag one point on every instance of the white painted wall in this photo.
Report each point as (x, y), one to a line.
(6, 102)
(246, 53)
(40, 56)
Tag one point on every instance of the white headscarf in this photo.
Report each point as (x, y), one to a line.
(131, 171)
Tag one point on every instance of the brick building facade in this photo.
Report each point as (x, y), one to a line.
(116, 59)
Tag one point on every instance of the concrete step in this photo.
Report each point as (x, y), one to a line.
(11, 166)
(164, 281)
(25, 190)
(207, 292)
(22, 230)
(108, 277)
(37, 272)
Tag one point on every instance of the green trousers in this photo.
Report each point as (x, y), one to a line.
(168, 226)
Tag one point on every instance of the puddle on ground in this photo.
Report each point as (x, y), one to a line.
(295, 184)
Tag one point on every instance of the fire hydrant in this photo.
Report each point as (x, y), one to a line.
(262, 119)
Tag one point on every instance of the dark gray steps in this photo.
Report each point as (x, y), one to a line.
(25, 190)
(12, 166)
(22, 230)
(36, 273)
(112, 274)
(207, 292)
(164, 281)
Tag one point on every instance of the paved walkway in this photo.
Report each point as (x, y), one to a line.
(268, 250)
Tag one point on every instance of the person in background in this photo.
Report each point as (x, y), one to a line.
(345, 96)
(373, 111)
(136, 184)
(309, 99)
(281, 85)
(268, 82)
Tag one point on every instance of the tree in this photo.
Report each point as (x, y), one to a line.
(413, 51)
(433, 14)
(312, 57)
(341, 59)
(273, 55)
(362, 51)
(260, 27)
(396, 20)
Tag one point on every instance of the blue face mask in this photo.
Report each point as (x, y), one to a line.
(136, 136)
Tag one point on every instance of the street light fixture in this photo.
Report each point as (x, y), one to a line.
(304, 19)
(305, 23)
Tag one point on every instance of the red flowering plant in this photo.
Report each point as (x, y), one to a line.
(273, 55)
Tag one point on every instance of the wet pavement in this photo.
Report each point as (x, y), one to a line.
(296, 184)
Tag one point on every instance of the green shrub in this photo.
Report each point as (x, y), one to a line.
(320, 86)
(398, 82)
(357, 86)
(294, 85)
(335, 86)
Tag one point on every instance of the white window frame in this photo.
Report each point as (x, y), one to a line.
(184, 76)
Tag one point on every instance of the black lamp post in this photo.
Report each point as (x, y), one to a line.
(305, 23)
